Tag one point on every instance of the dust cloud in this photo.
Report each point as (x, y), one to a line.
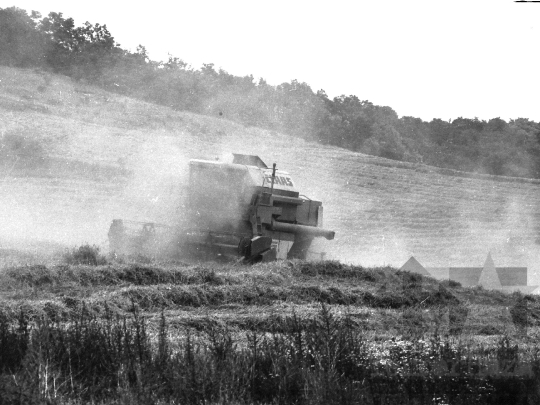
(74, 207)
(156, 187)
(77, 208)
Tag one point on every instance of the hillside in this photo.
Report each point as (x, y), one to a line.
(107, 156)
(90, 53)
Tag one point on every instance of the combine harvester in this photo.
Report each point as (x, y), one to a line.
(242, 210)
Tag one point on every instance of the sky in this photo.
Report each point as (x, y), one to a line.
(426, 59)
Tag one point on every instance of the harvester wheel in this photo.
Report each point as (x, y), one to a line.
(244, 247)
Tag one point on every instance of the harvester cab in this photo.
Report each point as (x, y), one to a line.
(244, 209)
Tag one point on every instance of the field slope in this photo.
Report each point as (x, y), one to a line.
(107, 156)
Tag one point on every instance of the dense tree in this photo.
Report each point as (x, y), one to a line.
(21, 44)
(351, 122)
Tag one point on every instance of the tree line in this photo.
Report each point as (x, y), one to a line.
(89, 53)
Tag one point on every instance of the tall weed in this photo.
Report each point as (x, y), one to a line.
(324, 359)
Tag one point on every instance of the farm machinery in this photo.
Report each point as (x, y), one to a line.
(242, 210)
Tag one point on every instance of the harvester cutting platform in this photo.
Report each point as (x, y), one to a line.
(242, 209)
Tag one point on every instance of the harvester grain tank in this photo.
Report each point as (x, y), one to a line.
(240, 209)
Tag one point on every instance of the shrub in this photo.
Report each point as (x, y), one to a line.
(85, 254)
(451, 283)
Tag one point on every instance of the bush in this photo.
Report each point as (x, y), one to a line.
(85, 254)
(451, 283)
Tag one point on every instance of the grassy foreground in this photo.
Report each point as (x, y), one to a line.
(286, 332)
